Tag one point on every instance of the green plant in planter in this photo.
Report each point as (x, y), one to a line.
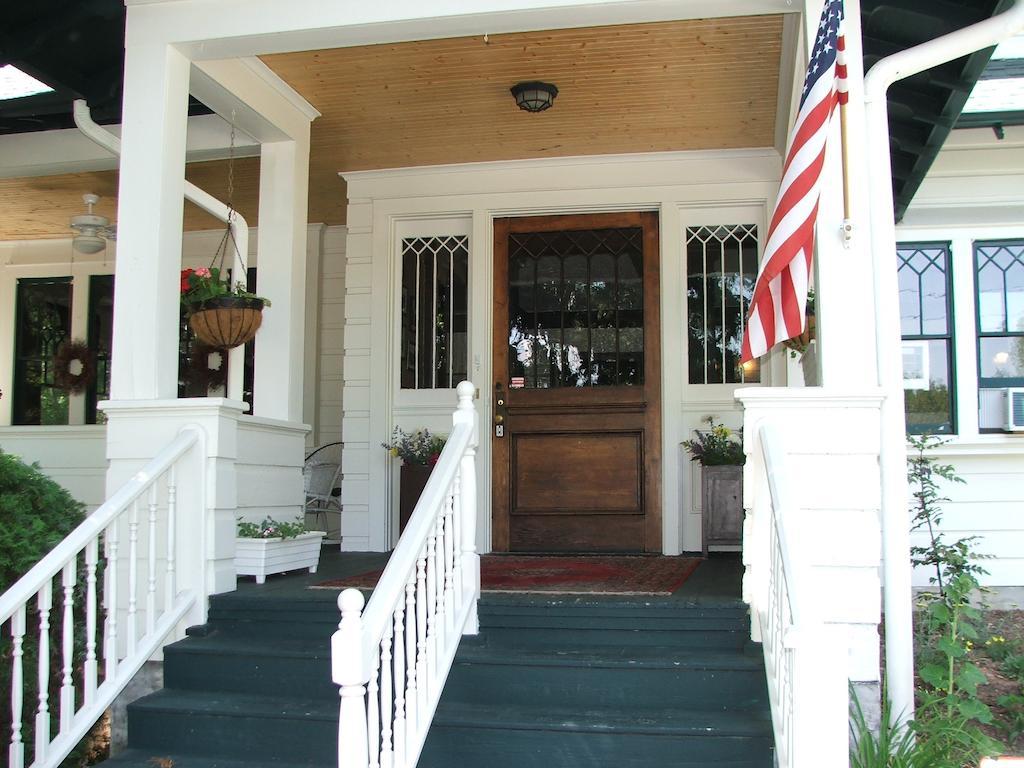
(416, 447)
(271, 529)
(715, 446)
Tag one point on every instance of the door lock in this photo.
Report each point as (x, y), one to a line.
(499, 410)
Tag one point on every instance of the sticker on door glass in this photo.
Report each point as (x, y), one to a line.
(517, 382)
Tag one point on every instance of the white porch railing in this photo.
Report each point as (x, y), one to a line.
(805, 659)
(128, 544)
(392, 659)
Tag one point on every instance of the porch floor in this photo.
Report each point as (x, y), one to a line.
(716, 580)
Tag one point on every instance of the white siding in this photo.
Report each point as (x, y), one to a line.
(975, 191)
(75, 457)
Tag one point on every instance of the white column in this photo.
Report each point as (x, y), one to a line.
(280, 344)
(149, 218)
(845, 304)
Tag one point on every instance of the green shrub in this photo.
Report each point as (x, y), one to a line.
(36, 513)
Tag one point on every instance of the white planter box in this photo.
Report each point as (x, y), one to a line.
(259, 557)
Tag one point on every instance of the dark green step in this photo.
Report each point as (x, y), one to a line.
(137, 758)
(545, 737)
(256, 665)
(312, 618)
(262, 728)
(628, 677)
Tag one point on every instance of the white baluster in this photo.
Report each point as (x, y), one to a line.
(386, 689)
(16, 751)
(440, 618)
(421, 640)
(45, 603)
(347, 665)
(171, 587)
(428, 680)
(373, 713)
(151, 583)
(449, 557)
(399, 752)
(466, 414)
(411, 694)
(110, 640)
(69, 577)
(457, 584)
(133, 577)
(90, 671)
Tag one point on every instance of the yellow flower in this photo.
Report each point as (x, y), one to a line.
(394, 452)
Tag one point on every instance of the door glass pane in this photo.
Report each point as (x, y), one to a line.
(522, 320)
(576, 308)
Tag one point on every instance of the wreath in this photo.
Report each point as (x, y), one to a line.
(74, 367)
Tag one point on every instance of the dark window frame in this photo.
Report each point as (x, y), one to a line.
(993, 383)
(18, 392)
(949, 336)
(94, 393)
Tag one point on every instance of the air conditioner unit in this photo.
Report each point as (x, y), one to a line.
(1014, 409)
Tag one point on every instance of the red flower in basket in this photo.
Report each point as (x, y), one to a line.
(184, 279)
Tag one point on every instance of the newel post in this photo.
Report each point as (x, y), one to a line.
(348, 669)
(466, 413)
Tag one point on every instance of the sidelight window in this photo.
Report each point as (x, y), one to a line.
(721, 266)
(435, 316)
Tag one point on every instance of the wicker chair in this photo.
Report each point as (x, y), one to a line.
(320, 474)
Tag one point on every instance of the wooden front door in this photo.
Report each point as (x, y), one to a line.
(576, 427)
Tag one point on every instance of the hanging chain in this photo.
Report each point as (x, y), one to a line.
(229, 231)
(231, 171)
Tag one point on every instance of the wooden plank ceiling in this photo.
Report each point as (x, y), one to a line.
(703, 84)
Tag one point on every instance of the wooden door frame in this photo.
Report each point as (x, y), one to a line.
(653, 475)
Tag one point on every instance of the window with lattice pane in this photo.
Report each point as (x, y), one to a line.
(721, 269)
(999, 276)
(435, 317)
(926, 329)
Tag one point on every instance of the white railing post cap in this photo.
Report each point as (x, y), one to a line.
(351, 601)
(466, 391)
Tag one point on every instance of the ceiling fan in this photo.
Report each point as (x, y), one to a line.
(92, 230)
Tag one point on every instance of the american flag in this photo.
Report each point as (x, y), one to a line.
(777, 308)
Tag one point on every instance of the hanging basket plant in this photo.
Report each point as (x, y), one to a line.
(226, 322)
(74, 367)
(221, 316)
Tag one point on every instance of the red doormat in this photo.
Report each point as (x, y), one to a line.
(552, 575)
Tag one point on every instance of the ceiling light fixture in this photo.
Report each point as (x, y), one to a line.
(534, 96)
